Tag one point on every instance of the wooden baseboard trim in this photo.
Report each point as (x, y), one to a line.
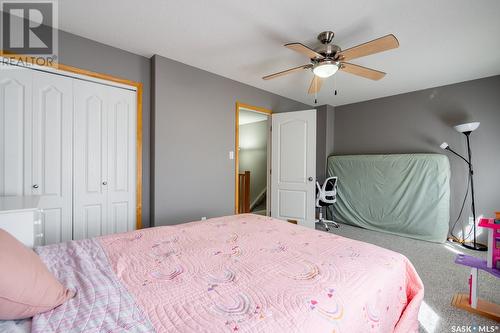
(484, 308)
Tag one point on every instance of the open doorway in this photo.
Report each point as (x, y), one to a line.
(252, 159)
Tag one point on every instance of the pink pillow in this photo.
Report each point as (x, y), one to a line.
(26, 285)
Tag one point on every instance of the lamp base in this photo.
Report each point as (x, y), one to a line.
(476, 247)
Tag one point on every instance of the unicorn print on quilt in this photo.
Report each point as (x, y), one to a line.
(243, 273)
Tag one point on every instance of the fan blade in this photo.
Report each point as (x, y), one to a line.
(368, 73)
(301, 48)
(316, 84)
(285, 72)
(375, 46)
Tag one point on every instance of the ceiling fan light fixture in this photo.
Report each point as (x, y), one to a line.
(325, 69)
(329, 58)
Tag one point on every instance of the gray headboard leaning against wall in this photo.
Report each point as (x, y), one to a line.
(402, 194)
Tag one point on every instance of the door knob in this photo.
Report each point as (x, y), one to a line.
(35, 186)
(104, 183)
(310, 179)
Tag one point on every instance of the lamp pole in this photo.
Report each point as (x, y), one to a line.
(475, 245)
(467, 129)
(471, 175)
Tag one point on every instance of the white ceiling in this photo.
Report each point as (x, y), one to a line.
(249, 117)
(441, 42)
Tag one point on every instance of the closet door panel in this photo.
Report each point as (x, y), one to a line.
(15, 117)
(94, 139)
(93, 220)
(121, 160)
(119, 130)
(120, 217)
(90, 161)
(51, 167)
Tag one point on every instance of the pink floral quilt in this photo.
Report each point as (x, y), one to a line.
(243, 273)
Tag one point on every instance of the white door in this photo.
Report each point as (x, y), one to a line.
(50, 174)
(293, 170)
(90, 160)
(104, 160)
(15, 115)
(121, 181)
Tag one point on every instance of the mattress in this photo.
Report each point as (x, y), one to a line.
(244, 273)
(402, 194)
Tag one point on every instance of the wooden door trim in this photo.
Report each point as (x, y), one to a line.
(239, 106)
(101, 76)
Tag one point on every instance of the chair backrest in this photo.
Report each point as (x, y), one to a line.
(326, 194)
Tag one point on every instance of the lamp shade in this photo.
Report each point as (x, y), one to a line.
(468, 127)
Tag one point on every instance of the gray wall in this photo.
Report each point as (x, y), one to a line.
(420, 121)
(194, 130)
(253, 155)
(87, 54)
(330, 132)
(325, 117)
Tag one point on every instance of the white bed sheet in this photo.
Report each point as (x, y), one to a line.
(15, 326)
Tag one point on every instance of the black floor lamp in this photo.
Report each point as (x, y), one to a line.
(467, 129)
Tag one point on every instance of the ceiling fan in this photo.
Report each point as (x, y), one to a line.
(330, 58)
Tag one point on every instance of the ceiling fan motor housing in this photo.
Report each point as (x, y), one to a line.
(326, 37)
(328, 50)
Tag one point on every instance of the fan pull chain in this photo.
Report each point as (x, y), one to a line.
(315, 91)
(335, 85)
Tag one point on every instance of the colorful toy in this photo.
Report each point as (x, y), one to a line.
(493, 226)
(491, 265)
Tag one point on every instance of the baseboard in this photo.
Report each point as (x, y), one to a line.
(484, 308)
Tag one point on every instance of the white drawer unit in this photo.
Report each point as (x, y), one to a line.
(20, 216)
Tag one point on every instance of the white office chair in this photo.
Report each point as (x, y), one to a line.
(326, 195)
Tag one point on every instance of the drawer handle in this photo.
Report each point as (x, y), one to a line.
(35, 186)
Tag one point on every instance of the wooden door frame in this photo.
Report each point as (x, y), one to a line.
(258, 109)
(101, 76)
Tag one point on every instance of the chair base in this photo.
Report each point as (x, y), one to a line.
(326, 222)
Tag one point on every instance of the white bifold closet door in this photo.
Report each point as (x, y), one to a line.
(35, 145)
(104, 196)
(73, 143)
(49, 165)
(15, 106)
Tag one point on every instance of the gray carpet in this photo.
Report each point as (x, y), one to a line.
(442, 278)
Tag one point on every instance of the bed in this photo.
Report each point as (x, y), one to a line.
(243, 273)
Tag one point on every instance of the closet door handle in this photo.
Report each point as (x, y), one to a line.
(35, 186)
(104, 183)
